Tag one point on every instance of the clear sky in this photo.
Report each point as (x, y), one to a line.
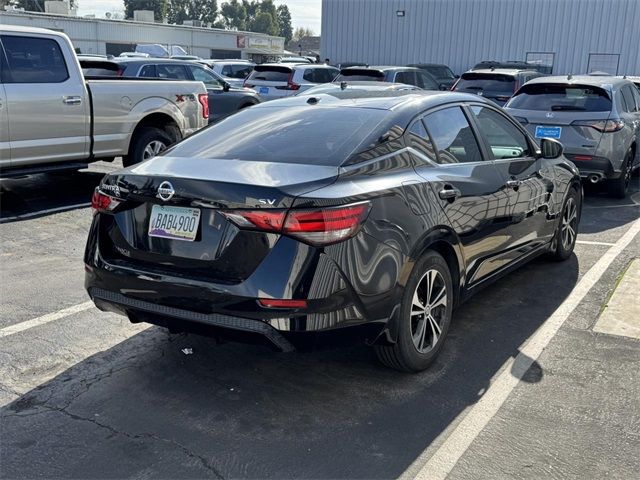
(304, 13)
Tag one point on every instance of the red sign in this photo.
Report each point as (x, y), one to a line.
(241, 41)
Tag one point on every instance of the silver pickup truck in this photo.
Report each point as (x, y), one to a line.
(52, 118)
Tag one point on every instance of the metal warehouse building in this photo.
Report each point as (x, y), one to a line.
(91, 35)
(571, 36)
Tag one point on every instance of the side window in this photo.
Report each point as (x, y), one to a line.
(201, 75)
(407, 77)
(629, 99)
(320, 75)
(227, 70)
(504, 138)
(34, 60)
(636, 94)
(148, 71)
(418, 138)
(452, 135)
(176, 72)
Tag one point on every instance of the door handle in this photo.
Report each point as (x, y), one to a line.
(449, 193)
(513, 183)
(72, 100)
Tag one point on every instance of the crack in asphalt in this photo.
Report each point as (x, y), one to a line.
(141, 436)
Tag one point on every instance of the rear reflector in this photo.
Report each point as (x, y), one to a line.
(317, 227)
(582, 157)
(280, 303)
(203, 98)
(103, 203)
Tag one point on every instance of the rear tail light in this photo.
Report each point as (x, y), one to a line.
(317, 227)
(203, 98)
(103, 203)
(582, 157)
(290, 84)
(282, 303)
(604, 126)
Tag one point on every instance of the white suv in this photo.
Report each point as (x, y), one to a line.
(234, 72)
(278, 80)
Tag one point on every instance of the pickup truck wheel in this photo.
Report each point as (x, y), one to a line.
(148, 142)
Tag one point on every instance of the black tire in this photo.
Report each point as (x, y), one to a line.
(405, 355)
(562, 246)
(619, 187)
(145, 137)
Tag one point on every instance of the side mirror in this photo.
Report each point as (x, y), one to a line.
(551, 148)
(226, 87)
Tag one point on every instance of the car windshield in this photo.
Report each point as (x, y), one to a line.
(358, 74)
(554, 97)
(486, 82)
(270, 74)
(286, 135)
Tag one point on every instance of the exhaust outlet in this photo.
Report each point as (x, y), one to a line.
(594, 178)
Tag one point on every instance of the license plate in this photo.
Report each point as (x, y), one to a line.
(263, 90)
(548, 132)
(177, 223)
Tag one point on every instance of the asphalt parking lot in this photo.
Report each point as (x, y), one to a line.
(86, 394)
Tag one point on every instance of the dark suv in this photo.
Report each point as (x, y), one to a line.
(224, 99)
(496, 84)
(304, 220)
(408, 75)
(442, 73)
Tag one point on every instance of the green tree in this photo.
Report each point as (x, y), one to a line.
(233, 15)
(284, 22)
(159, 7)
(302, 32)
(203, 10)
(31, 5)
(263, 23)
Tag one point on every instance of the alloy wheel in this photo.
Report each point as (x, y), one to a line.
(428, 310)
(153, 149)
(569, 223)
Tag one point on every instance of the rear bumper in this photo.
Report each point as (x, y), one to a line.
(599, 166)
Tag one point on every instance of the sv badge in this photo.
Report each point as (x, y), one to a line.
(267, 201)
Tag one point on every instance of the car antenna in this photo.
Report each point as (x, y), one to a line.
(343, 85)
(569, 77)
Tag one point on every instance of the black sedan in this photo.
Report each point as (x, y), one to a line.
(314, 218)
(224, 99)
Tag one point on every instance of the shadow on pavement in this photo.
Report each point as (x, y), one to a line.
(605, 212)
(143, 409)
(46, 193)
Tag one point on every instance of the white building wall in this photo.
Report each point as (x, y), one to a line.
(92, 35)
(461, 33)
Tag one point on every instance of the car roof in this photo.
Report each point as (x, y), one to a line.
(418, 65)
(296, 65)
(21, 29)
(404, 104)
(502, 71)
(591, 80)
(231, 62)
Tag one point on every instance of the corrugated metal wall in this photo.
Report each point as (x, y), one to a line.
(461, 33)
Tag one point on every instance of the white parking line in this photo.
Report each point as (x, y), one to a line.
(49, 317)
(589, 242)
(456, 444)
(45, 212)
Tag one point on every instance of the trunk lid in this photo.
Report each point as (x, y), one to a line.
(220, 251)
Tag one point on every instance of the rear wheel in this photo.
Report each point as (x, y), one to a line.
(618, 187)
(147, 143)
(566, 234)
(425, 316)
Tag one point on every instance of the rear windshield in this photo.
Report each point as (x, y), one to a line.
(439, 72)
(486, 82)
(356, 74)
(326, 136)
(270, 74)
(320, 75)
(553, 97)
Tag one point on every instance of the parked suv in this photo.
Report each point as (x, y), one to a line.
(513, 64)
(442, 73)
(224, 99)
(409, 75)
(234, 72)
(496, 84)
(277, 80)
(597, 119)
